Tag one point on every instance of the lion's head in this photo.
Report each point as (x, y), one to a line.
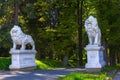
(91, 24)
(15, 31)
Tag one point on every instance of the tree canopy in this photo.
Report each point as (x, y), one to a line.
(54, 27)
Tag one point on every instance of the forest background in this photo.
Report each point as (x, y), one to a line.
(57, 27)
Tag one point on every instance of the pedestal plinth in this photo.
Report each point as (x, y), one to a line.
(22, 59)
(95, 58)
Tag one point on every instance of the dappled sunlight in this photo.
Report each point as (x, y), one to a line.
(36, 74)
(41, 65)
(67, 43)
(49, 75)
(48, 64)
(57, 75)
(21, 72)
(13, 72)
(76, 69)
(83, 76)
(70, 69)
(6, 76)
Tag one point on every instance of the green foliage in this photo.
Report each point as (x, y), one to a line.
(4, 63)
(56, 42)
(108, 20)
(85, 76)
(41, 65)
(72, 63)
(6, 14)
(111, 68)
(44, 64)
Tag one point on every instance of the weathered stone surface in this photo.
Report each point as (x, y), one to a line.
(19, 38)
(95, 57)
(93, 31)
(22, 59)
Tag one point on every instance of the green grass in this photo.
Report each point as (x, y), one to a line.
(41, 65)
(48, 64)
(103, 75)
(85, 76)
(45, 64)
(111, 68)
(4, 63)
(51, 64)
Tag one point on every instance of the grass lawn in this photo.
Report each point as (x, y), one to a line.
(85, 76)
(4, 63)
(45, 64)
(48, 64)
(107, 73)
(51, 64)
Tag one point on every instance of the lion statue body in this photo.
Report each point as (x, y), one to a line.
(93, 31)
(19, 38)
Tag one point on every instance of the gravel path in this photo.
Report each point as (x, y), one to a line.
(37, 74)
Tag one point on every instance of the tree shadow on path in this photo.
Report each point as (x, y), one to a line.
(37, 74)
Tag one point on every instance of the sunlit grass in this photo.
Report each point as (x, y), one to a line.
(53, 63)
(48, 64)
(41, 65)
(85, 76)
(44, 64)
(103, 75)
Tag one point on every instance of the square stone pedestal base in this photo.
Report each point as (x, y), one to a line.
(93, 69)
(22, 59)
(95, 58)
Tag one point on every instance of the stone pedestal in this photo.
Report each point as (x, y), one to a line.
(95, 58)
(22, 59)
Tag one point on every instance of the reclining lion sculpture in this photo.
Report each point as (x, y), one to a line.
(19, 38)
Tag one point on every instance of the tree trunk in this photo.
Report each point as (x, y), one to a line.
(79, 13)
(38, 55)
(15, 12)
(118, 57)
(50, 54)
(112, 57)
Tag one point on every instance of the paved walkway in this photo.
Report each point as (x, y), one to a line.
(37, 75)
(42, 74)
(117, 76)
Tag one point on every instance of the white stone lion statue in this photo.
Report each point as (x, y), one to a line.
(19, 38)
(93, 31)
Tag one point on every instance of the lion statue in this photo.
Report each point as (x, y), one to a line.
(19, 38)
(93, 31)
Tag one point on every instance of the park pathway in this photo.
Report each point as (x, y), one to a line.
(117, 76)
(37, 74)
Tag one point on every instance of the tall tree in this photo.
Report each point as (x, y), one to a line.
(109, 22)
(79, 13)
(15, 12)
